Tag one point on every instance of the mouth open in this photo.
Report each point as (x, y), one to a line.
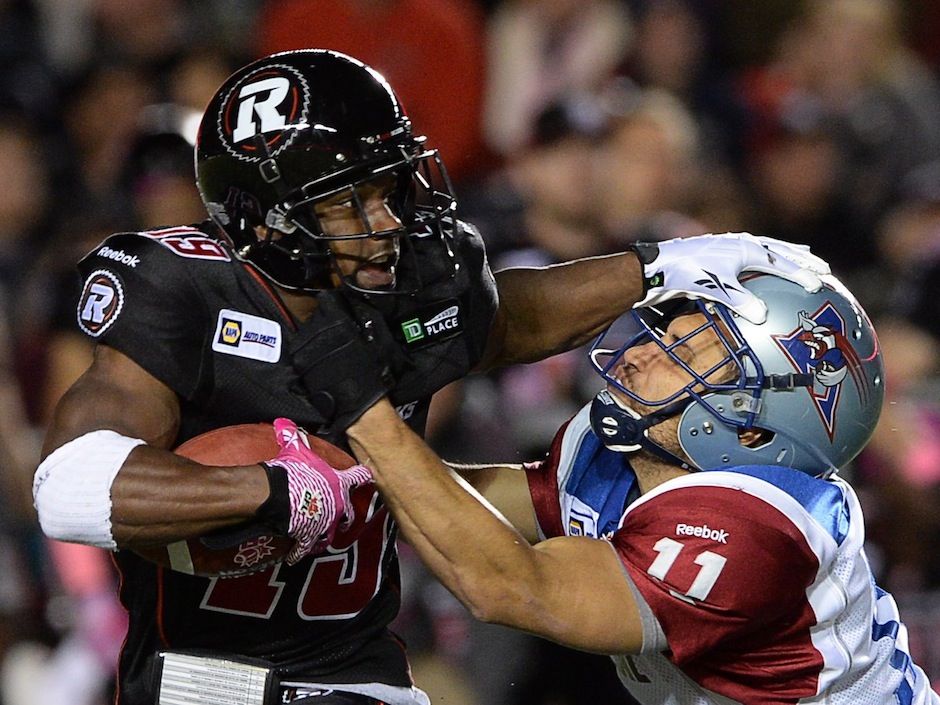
(377, 272)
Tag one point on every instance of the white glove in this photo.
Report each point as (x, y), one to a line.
(708, 266)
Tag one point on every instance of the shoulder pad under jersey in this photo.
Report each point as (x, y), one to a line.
(582, 488)
(139, 296)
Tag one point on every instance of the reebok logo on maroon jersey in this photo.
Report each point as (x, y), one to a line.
(719, 535)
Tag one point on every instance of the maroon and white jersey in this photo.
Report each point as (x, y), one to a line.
(754, 579)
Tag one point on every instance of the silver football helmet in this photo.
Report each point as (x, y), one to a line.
(810, 378)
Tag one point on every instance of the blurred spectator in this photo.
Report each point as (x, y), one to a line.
(844, 71)
(648, 168)
(158, 168)
(195, 76)
(25, 213)
(900, 468)
(430, 50)
(670, 45)
(839, 147)
(673, 52)
(25, 208)
(923, 22)
(539, 52)
(796, 175)
(884, 99)
(101, 122)
(147, 34)
(28, 83)
(907, 282)
(910, 246)
(80, 668)
(24, 195)
(541, 206)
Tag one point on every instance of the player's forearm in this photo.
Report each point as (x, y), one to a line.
(107, 477)
(547, 310)
(158, 497)
(426, 500)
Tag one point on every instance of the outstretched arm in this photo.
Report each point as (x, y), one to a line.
(569, 590)
(546, 310)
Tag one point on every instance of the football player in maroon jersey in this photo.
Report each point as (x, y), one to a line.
(690, 521)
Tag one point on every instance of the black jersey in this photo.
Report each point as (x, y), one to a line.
(178, 303)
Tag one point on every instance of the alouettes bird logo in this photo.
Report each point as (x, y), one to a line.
(818, 346)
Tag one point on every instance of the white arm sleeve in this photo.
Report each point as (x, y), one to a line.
(72, 488)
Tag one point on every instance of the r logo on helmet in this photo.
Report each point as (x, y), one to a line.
(263, 103)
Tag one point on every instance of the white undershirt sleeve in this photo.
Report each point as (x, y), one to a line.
(654, 639)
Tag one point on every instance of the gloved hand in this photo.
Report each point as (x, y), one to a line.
(310, 490)
(341, 359)
(707, 267)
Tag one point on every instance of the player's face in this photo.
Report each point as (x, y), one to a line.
(369, 262)
(650, 373)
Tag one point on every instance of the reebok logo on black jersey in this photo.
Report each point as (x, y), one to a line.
(119, 256)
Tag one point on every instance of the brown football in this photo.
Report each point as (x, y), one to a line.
(246, 551)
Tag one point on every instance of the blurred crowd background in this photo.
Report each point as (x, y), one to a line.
(570, 128)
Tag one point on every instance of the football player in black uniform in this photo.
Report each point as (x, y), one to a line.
(325, 208)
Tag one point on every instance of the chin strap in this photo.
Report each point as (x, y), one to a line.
(624, 430)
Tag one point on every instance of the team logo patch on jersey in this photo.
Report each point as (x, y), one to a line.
(244, 335)
(432, 324)
(261, 105)
(582, 519)
(818, 346)
(101, 302)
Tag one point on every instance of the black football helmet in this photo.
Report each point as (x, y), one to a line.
(295, 128)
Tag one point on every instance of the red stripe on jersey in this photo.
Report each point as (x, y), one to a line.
(543, 487)
(161, 631)
(117, 670)
(726, 574)
(263, 283)
(165, 232)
